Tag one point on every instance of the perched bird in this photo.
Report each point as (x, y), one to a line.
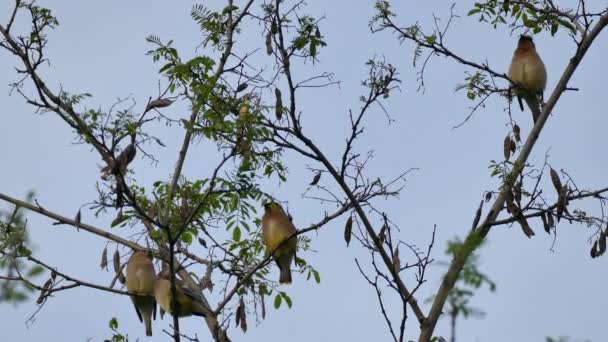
(140, 280)
(188, 301)
(120, 165)
(528, 71)
(276, 227)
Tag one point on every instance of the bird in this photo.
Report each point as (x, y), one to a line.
(140, 281)
(276, 227)
(528, 72)
(188, 301)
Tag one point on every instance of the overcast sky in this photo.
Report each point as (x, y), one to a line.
(100, 48)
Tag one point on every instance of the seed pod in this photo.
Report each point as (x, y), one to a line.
(104, 259)
(561, 201)
(121, 278)
(488, 196)
(396, 260)
(348, 230)
(77, 221)
(550, 219)
(202, 242)
(158, 103)
(263, 305)
(116, 261)
(273, 27)
(278, 106)
(594, 250)
(317, 32)
(237, 315)
(525, 226)
(316, 178)
(517, 133)
(513, 147)
(44, 291)
(507, 147)
(543, 217)
(241, 87)
(382, 234)
(269, 43)
(602, 244)
(243, 316)
(557, 183)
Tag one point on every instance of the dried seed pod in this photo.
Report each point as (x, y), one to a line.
(507, 147)
(517, 133)
(273, 27)
(77, 220)
(317, 32)
(382, 234)
(278, 106)
(561, 201)
(104, 259)
(557, 183)
(543, 217)
(477, 216)
(116, 261)
(488, 196)
(525, 226)
(269, 43)
(550, 219)
(241, 87)
(121, 278)
(396, 260)
(348, 230)
(202, 242)
(237, 315)
(602, 244)
(513, 147)
(243, 316)
(158, 103)
(263, 305)
(593, 251)
(316, 178)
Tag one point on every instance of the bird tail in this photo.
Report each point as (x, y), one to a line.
(533, 102)
(285, 268)
(148, 323)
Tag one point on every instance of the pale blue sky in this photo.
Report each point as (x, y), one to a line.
(100, 48)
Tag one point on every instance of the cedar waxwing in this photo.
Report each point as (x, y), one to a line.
(140, 280)
(276, 227)
(120, 166)
(528, 71)
(188, 301)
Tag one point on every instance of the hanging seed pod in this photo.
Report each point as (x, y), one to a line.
(488, 196)
(263, 305)
(593, 251)
(77, 221)
(561, 202)
(241, 87)
(557, 183)
(269, 43)
(317, 33)
(202, 242)
(104, 259)
(517, 133)
(602, 244)
(525, 226)
(543, 217)
(396, 260)
(116, 261)
(121, 278)
(507, 147)
(382, 234)
(158, 103)
(513, 147)
(550, 220)
(237, 315)
(278, 106)
(243, 316)
(273, 27)
(348, 230)
(316, 178)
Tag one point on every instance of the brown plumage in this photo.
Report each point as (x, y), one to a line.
(140, 280)
(188, 301)
(276, 227)
(528, 71)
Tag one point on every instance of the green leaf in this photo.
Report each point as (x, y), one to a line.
(236, 234)
(287, 299)
(113, 324)
(315, 274)
(34, 271)
(277, 301)
(186, 237)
